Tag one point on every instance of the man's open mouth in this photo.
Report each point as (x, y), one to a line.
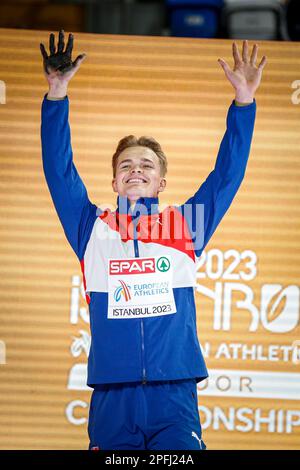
(136, 180)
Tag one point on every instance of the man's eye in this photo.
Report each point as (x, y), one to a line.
(148, 166)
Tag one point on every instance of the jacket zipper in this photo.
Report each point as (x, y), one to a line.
(136, 253)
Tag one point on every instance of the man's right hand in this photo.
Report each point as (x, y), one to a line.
(58, 66)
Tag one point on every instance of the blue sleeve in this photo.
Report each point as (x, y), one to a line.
(75, 211)
(204, 211)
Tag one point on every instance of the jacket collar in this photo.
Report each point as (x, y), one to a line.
(143, 206)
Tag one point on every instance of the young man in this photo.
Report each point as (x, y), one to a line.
(139, 265)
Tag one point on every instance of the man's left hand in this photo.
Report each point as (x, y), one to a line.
(245, 76)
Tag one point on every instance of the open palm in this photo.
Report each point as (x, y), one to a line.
(58, 65)
(245, 76)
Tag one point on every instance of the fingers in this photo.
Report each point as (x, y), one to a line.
(262, 63)
(224, 65)
(79, 59)
(245, 53)
(51, 44)
(70, 44)
(236, 54)
(254, 54)
(43, 51)
(45, 57)
(61, 43)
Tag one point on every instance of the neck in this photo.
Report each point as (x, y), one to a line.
(132, 204)
(150, 204)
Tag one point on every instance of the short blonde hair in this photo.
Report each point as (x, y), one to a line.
(143, 141)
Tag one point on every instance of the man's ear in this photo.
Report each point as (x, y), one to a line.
(162, 185)
(114, 185)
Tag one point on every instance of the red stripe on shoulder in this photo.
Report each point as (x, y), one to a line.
(168, 228)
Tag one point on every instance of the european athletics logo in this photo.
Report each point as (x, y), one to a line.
(124, 290)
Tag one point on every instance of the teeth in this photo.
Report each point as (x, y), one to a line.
(135, 180)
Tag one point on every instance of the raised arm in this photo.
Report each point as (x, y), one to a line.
(204, 211)
(76, 213)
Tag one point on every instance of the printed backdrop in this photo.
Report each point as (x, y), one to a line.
(248, 277)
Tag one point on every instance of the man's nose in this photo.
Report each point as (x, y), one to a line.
(136, 169)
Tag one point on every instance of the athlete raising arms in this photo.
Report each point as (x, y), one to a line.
(139, 275)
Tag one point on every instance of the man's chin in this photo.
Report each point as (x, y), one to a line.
(133, 196)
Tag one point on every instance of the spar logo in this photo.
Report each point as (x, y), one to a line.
(163, 264)
(138, 265)
(132, 266)
(122, 290)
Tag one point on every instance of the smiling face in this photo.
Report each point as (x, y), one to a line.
(138, 174)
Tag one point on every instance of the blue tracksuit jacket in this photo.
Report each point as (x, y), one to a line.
(158, 348)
